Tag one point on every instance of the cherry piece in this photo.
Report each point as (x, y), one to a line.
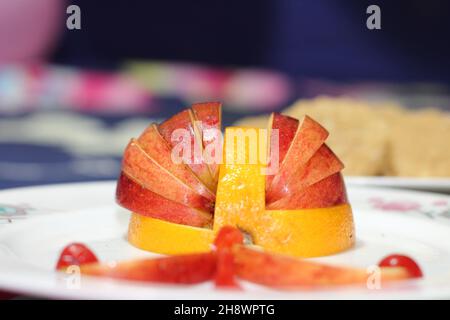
(398, 260)
(75, 254)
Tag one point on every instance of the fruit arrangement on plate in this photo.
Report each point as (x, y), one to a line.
(250, 204)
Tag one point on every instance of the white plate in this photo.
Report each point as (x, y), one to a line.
(36, 223)
(425, 184)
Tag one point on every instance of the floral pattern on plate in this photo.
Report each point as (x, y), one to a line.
(432, 210)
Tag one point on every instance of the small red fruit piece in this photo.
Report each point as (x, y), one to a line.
(180, 269)
(227, 237)
(280, 271)
(75, 254)
(398, 260)
(225, 276)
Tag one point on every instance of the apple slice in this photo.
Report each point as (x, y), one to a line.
(191, 142)
(321, 165)
(182, 269)
(326, 193)
(133, 196)
(287, 127)
(308, 138)
(157, 148)
(151, 175)
(286, 272)
(208, 116)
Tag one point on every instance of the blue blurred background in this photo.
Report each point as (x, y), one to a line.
(303, 38)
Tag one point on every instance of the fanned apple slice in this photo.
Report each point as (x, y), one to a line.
(322, 164)
(188, 142)
(208, 116)
(159, 149)
(326, 193)
(287, 127)
(308, 138)
(286, 272)
(133, 196)
(182, 269)
(151, 175)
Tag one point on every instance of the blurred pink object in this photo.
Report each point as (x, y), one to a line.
(35, 87)
(28, 29)
(257, 89)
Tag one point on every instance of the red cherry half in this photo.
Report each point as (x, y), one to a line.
(75, 254)
(398, 260)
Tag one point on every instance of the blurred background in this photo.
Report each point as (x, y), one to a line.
(71, 99)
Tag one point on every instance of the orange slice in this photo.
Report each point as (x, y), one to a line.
(240, 197)
(305, 232)
(164, 237)
(300, 233)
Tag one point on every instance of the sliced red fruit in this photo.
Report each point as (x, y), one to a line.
(208, 116)
(226, 239)
(225, 276)
(326, 193)
(159, 149)
(399, 260)
(322, 164)
(192, 141)
(152, 176)
(182, 269)
(75, 254)
(133, 196)
(308, 138)
(286, 272)
(287, 127)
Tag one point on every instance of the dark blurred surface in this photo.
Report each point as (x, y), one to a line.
(304, 38)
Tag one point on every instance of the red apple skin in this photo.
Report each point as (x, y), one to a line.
(181, 269)
(309, 137)
(136, 163)
(184, 120)
(322, 164)
(134, 197)
(157, 148)
(326, 193)
(285, 272)
(209, 114)
(287, 128)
